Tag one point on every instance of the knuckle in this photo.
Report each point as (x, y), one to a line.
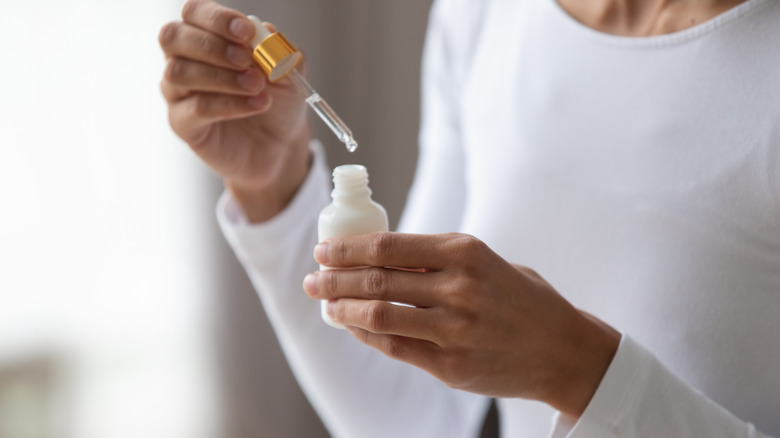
(463, 285)
(202, 106)
(174, 70)
(361, 335)
(214, 19)
(450, 371)
(462, 291)
(174, 119)
(393, 347)
(473, 254)
(375, 316)
(455, 372)
(215, 76)
(168, 34)
(207, 44)
(456, 383)
(379, 245)
(338, 251)
(165, 89)
(189, 9)
(466, 244)
(532, 273)
(339, 311)
(462, 331)
(217, 20)
(376, 283)
(329, 283)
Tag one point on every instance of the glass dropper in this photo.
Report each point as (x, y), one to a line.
(325, 112)
(278, 58)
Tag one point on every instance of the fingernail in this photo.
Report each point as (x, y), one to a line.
(310, 284)
(321, 253)
(241, 28)
(331, 308)
(249, 80)
(238, 55)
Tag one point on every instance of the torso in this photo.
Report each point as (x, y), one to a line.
(641, 177)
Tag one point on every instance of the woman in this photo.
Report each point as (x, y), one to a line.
(628, 151)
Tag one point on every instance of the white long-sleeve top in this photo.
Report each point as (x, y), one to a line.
(639, 176)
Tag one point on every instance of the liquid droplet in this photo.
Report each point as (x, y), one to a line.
(351, 145)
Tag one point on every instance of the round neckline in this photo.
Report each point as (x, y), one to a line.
(656, 41)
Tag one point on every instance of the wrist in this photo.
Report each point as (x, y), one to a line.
(592, 350)
(258, 204)
(261, 202)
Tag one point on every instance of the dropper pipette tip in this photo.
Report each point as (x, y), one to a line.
(326, 113)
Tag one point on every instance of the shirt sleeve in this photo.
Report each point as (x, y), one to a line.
(439, 194)
(639, 397)
(357, 391)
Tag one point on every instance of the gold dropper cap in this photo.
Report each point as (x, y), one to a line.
(277, 57)
(275, 54)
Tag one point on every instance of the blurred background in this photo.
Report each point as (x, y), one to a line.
(122, 311)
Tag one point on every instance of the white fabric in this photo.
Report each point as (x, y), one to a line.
(640, 176)
(653, 403)
(357, 391)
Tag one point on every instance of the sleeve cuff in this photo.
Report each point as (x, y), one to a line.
(640, 397)
(612, 397)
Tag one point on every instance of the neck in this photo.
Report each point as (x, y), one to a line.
(645, 17)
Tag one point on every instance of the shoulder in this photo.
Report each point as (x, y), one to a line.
(462, 8)
(454, 29)
(459, 18)
(457, 30)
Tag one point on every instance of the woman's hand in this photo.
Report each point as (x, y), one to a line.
(479, 323)
(251, 132)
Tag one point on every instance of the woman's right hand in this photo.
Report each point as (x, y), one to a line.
(252, 132)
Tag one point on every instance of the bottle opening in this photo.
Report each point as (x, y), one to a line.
(350, 177)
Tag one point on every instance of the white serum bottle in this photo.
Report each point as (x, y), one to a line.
(351, 212)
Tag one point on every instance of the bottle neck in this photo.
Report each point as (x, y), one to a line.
(353, 195)
(350, 183)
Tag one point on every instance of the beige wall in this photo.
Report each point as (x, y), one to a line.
(364, 58)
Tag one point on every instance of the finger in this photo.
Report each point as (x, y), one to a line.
(420, 353)
(182, 77)
(384, 284)
(186, 41)
(189, 116)
(221, 20)
(411, 251)
(383, 317)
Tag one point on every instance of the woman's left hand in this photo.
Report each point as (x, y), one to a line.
(478, 324)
